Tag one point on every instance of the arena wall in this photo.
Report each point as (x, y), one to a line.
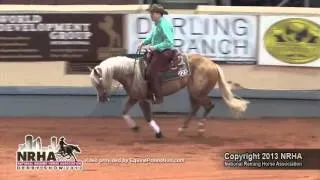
(81, 102)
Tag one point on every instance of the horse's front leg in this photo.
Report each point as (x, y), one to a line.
(146, 110)
(131, 122)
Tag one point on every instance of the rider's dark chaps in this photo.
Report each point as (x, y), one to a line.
(157, 62)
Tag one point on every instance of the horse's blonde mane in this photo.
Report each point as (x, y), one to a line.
(122, 66)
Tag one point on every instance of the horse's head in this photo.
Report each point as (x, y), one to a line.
(97, 83)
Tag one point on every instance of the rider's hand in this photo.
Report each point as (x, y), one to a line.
(151, 48)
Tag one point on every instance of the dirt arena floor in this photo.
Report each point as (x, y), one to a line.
(106, 138)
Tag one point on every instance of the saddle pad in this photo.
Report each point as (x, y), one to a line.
(182, 70)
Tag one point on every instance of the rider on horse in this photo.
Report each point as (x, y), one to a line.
(161, 42)
(61, 144)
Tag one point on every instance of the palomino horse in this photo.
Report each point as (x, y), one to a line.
(204, 74)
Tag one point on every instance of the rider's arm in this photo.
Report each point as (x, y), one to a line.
(148, 39)
(168, 34)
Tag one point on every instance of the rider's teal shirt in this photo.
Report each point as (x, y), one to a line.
(161, 36)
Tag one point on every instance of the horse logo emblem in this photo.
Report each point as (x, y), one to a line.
(67, 150)
(107, 27)
(32, 155)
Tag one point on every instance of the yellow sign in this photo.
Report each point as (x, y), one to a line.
(294, 41)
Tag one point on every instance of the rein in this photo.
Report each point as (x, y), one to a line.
(136, 58)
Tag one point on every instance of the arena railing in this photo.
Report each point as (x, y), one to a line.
(257, 10)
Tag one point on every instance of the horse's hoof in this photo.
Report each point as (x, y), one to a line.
(181, 129)
(159, 135)
(135, 129)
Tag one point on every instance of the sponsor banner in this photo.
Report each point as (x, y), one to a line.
(289, 41)
(70, 37)
(224, 38)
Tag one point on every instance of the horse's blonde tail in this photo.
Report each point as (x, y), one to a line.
(237, 106)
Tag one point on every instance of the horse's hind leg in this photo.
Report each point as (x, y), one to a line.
(146, 110)
(208, 105)
(131, 122)
(201, 97)
(193, 111)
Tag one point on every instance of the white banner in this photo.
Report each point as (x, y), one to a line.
(221, 37)
(289, 41)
